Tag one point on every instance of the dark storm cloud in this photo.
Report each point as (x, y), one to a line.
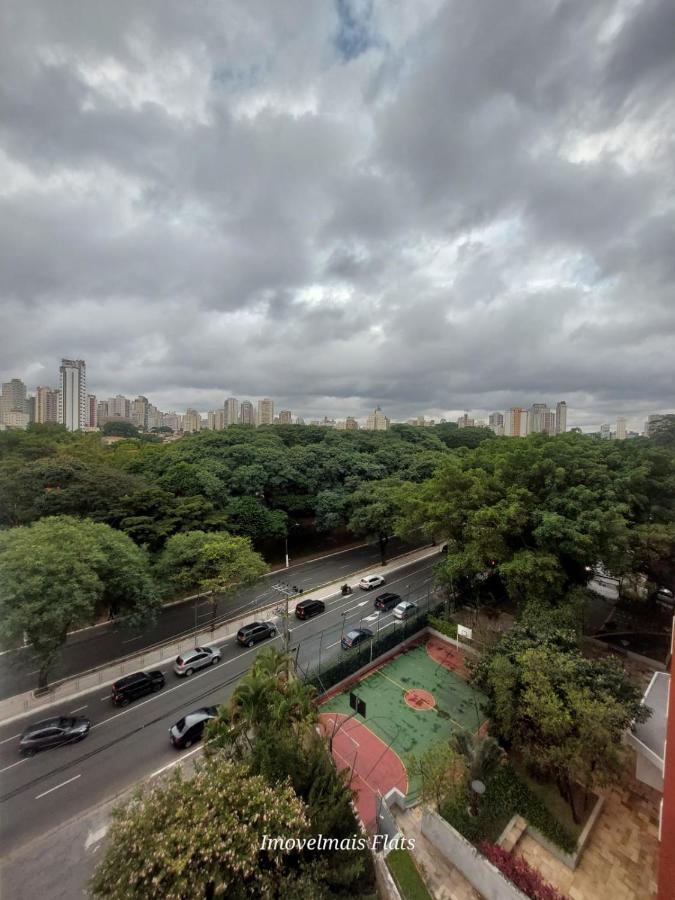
(431, 206)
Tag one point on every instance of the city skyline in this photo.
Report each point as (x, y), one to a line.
(344, 204)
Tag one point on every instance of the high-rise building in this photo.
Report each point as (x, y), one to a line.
(495, 418)
(547, 421)
(465, 421)
(351, 424)
(651, 423)
(621, 429)
(119, 407)
(173, 421)
(266, 412)
(155, 417)
(13, 399)
(561, 417)
(138, 410)
(16, 419)
(285, 417)
(515, 422)
(537, 418)
(192, 420)
(605, 432)
(102, 412)
(231, 408)
(92, 418)
(246, 413)
(73, 394)
(377, 421)
(46, 405)
(215, 420)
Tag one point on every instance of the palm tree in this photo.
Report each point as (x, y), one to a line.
(483, 755)
(271, 662)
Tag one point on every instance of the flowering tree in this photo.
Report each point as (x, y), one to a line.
(203, 837)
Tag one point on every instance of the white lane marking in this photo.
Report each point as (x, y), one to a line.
(79, 709)
(131, 640)
(176, 761)
(362, 604)
(13, 737)
(94, 837)
(332, 645)
(25, 759)
(63, 784)
(34, 672)
(107, 697)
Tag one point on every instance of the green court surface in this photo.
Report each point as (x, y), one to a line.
(409, 731)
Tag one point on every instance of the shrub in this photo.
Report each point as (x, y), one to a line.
(449, 629)
(521, 873)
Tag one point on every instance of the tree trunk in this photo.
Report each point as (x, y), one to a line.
(42, 676)
(384, 540)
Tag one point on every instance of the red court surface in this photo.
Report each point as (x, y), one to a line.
(418, 698)
(447, 655)
(374, 767)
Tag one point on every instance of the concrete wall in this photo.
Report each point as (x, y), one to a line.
(486, 878)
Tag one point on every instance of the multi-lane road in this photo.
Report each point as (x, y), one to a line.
(129, 744)
(90, 647)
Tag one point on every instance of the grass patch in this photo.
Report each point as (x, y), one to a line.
(506, 795)
(407, 878)
(549, 795)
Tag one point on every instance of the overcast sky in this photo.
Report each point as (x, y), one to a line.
(434, 206)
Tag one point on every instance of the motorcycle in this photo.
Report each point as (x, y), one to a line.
(346, 590)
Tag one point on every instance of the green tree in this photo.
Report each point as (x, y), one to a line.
(210, 562)
(442, 772)
(55, 574)
(203, 837)
(374, 510)
(250, 517)
(120, 429)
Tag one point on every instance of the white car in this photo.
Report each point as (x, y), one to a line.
(196, 659)
(405, 609)
(370, 582)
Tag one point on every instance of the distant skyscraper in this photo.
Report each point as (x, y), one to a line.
(651, 422)
(351, 424)
(192, 420)
(46, 405)
(547, 421)
(172, 420)
(561, 417)
(73, 395)
(138, 410)
(246, 413)
(266, 412)
(377, 421)
(621, 429)
(515, 422)
(92, 417)
(285, 417)
(605, 432)
(496, 418)
(465, 421)
(13, 399)
(231, 408)
(215, 419)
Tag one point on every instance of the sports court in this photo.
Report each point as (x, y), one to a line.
(413, 701)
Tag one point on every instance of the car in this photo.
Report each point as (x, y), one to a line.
(664, 593)
(308, 608)
(188, 730)
(355, 637)
(254, 632)
(387, 600)
(371, 581)
(199, 658)
(444, 550)
(53, 733)
(405, 609)
(136, 685)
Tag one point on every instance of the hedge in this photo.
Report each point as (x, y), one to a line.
(505, 796)
(449, 629)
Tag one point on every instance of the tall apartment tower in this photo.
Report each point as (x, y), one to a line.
(605, 432)
(266, 412)
(561, 417)
(231, 407)
(377, 421)
(246, 413)
(192, 420)
(92, 416)
(465, 421)
(139, 412)
(215, 419)
(13, 400)
(621, 429)
(495, 418)
(515, 422)
(46, 405)
(285, 417)
(73, 395)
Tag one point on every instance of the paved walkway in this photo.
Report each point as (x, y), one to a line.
(443, 880)
(621, 858)
(20, 705)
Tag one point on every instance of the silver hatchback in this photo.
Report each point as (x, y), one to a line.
(196, 659)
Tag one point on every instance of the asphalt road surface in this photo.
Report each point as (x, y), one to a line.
(126, 745)
(92, 647)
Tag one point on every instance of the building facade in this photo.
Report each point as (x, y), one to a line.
(192, 421)
(561, 417)
(246, 413)
(266, 412)
(465, 421)
(621, 429)
(515, 422)
(46, 405)
(73, 394)
(377, 421)
(231, 409)
(285, 417)
(92, 412)
(215, 420)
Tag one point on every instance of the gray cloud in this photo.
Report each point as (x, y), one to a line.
(433, 207)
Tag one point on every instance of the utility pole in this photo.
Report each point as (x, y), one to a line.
(286, 592)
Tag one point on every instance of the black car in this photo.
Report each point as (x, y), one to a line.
(255, 631)
(190, 728)
(308, 608)
(131, 687)
(355, 637)
(53, 733)
(387, 601)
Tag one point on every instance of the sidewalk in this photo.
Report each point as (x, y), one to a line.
(13, 708)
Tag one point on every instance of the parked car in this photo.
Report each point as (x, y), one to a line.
(308, 608)
(387, 600)
(188, 730)
(370, 582)
(254, 632)
(196, 659)
(53, 733)
(405, 609)
(355, 637)
(136, 685)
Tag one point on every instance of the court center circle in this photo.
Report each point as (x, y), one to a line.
(418, 698)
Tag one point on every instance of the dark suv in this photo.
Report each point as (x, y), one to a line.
(255, 631)
(387, 601)
(131, 687)
(53, 733)
(308, 608)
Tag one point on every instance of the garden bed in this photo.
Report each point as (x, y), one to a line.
(408, 879)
